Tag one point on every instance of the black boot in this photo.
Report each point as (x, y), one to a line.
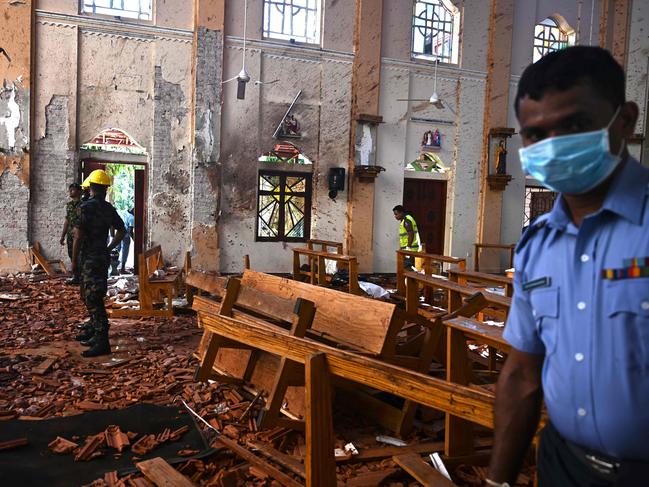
(99, 345)
(85, 335)
(87, 325)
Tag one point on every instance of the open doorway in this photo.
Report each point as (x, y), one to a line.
(127, 195)
(426, 200)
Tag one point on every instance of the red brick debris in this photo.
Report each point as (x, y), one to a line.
(43, 376)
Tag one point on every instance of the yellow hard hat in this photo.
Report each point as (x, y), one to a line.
(86, 183)
(99, 176)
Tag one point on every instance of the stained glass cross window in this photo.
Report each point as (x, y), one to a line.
(435, 28)
(283, 206)
(550, 37)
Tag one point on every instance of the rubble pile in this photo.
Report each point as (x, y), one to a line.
(42, 376)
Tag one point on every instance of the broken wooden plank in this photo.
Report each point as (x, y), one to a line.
(371, 479)
(11, 444)
(379, 453)
(287, 461)
(253, 459)
(320, 463)
(421, 471)
(44, 366)
(162, 474)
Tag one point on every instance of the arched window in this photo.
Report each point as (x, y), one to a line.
(435, 30)
(550, 35)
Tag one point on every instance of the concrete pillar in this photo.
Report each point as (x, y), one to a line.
(496, 108)
(366, 77)
(208, 74)
(15, 119)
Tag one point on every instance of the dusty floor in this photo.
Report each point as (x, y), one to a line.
(153, 362)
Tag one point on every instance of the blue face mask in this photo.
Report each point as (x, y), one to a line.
(572, 164)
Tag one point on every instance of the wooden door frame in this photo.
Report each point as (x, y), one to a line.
(443, 213)
(100, 164)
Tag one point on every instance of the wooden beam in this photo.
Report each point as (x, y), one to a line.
(464, 402)
(320, 462)
(287, 461)
(253, 459)
(162, 474)
(420, 470)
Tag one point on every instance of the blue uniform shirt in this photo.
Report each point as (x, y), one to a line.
(592, 327)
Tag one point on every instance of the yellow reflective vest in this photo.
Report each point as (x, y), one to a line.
(403, 234)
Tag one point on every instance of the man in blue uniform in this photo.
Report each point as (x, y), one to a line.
(97, 217)
(579, 322)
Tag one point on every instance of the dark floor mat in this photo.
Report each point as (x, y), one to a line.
(36, 465)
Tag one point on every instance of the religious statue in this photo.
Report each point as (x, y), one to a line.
(290, 127)
(431, 140)
(501, 158)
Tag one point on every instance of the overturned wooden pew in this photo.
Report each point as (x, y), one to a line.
(364, 326)
(323, 363)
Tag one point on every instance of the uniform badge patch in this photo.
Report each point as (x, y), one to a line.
(540, 282)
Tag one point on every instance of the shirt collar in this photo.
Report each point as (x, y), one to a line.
(624, 198)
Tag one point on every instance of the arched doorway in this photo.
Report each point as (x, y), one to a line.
(125, 160)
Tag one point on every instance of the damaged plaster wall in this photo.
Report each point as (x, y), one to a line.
(323, 111)
(399, 138)
(52, 171)
(207, 139)
(15, 77)
(93, 74)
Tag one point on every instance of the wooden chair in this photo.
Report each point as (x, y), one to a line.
(155, 292)
(317, 273)
(51, 267)
(482, 280)
(433, 264)
(478, 247)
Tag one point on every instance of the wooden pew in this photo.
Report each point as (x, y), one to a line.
(482, 280)
(51, 267)
(325, 245)
(152, 289)
(365, 326)
(317, 273)
(323, 364)
(478, 247)
(433, 264)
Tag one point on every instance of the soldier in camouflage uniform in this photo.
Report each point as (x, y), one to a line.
(72, 218)
(97, 217)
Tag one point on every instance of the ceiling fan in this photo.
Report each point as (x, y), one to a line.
(434, 99)
(243, 78)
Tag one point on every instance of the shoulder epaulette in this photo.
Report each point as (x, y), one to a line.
(534, 227)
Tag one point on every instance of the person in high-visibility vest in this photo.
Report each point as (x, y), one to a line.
(408, 233)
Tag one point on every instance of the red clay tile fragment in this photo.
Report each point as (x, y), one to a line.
(115, 438)
(111, 479)
(187, 453)
(89, 448)
(61, 445)
(176, 434)
(144, 445)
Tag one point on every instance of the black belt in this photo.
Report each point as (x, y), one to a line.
(606, 466)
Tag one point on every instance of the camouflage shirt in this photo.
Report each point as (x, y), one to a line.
(97, 217)
(73, 215)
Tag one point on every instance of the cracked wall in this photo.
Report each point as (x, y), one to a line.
(207, 137)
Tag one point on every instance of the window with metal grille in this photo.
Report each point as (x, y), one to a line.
(550, 35)
(435, 27)
(132, 9)
(292, 20)
(283, 207)
(538, 201)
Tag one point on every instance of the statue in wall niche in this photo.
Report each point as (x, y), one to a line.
(431, 140)
(501, 158)
(290, 127)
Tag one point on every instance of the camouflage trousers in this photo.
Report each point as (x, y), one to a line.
(94, 276)
(69, 240)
